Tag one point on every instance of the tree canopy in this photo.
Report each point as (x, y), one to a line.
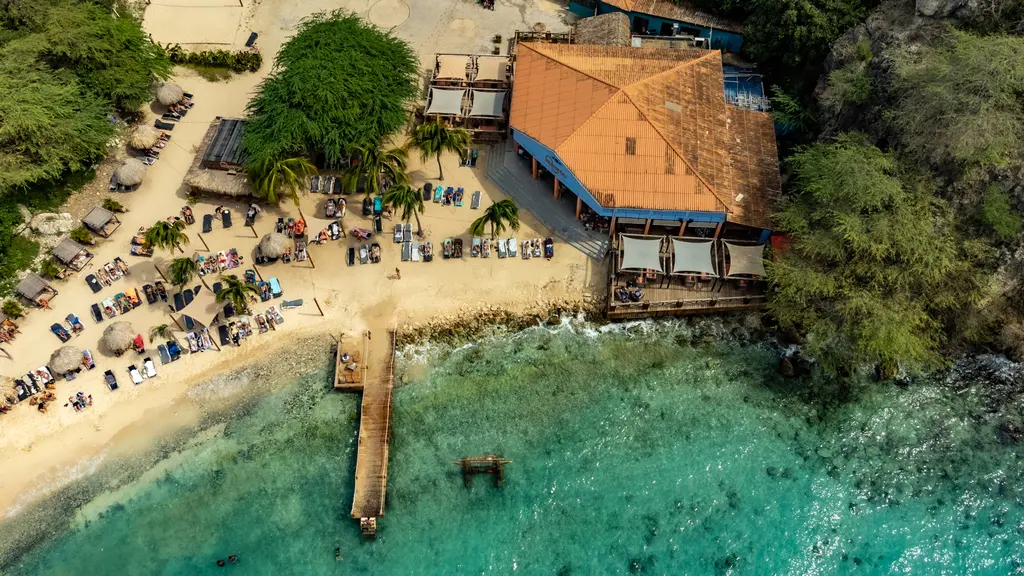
(339, 83)
(874, 266)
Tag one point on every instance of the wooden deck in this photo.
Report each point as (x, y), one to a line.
(346, 379)
(662, 298)
(376, 381)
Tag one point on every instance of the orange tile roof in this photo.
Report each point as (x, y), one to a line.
(648, 128)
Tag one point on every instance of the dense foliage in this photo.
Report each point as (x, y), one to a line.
(874, 268)
(337, 84)
(432, 139)
(273, 180)
(240, 61)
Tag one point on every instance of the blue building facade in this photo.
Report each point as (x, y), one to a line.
(642, 23)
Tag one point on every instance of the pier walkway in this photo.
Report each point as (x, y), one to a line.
(371, 371)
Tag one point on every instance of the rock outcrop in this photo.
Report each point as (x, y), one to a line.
(50, 224)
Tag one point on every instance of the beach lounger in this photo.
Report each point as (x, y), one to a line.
(415, 252)
(160, 290)
(149, 367)
(438, 194)
(286, 304)
(252, 40)
(217, 287)
(502, 248)
(174, 350)
(109, 308)
(135, 374)
(165, 357)
(60, 332)
(549, 248)
(337, 187)
(351, 256)
(163, 125)
(170, 116)
(179, 302)
(458, 197)
(512, 243)
(406, 251)
(398, 234)
(457, 248)
(328, 185)
(314, 184)
(428, 191)
(223, 335)
(485, 248)
(111, 381)
(378, 205)
(406, 233)
(475, 203)
(150, 293)
(364, 254)
(190, 323)
(474, 249)
(428, 252)
(225, 218)
(275, 288)
(229, 310)
(207, 223)
(93, 283)
(97, 314)
(278, 318)
(446, 248)
(378, 224)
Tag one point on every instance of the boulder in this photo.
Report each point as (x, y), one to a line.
(50, 224)
(937, 8)
(26, 214)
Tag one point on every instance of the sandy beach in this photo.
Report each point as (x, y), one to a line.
(42, 452)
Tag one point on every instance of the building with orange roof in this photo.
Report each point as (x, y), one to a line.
(668, 18)
(646, 135)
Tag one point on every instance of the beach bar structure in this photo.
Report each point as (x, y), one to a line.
(72, 254)
(35, 289)
(101, 221)
(470, 91)
(668, 18)
(217, 167)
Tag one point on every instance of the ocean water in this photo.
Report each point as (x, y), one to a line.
(641, 449)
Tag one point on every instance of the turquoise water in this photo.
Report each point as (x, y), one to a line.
(634, 451)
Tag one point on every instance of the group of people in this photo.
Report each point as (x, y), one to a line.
(629, 293)
(8, 330)
(80, 401)
(113, 271)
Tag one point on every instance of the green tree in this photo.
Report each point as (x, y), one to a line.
(998, 214)
(237, 292)
(408, 200)
(377, 166)
(163, 331)
(874, 269)
(434, 138)
(337, 83)
(271, 178)
(167, 235)
(497, 215)
(12, 309)
(182, 271)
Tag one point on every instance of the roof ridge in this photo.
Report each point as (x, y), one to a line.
(678, 154)
(570, 66)
(709, 54)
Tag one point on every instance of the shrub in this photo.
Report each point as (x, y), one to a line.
(847, 86)
(241, 61)
(17, 255)
(82, 236)
(112, 205)
(12, 309)
(998, 214)
(48, 269)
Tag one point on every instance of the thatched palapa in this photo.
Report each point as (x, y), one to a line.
(118, 337)
(131, 172)
(169, 93)
(66, 359)
(610, 29)
(273, 245)
(144, 136)
(213, 181)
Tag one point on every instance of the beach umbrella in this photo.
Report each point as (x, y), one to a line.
(118, 337)
(144, 136)
(131, 172)
(65, 359)
(169, 93)
(274, 244)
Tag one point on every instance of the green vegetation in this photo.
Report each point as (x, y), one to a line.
(167, 235)
(998, 214)
(337, 84)
(849, 85)
(112, 205)
(162, 331)
(237, 292)
(499, 216)
(182, 271)
(82, 236)
(240, 61)
(434, 138)
(18, 254)
(408, 200)
(49, 269)
(376, 166)
(271, 178)
(12, 309)
(874, 269)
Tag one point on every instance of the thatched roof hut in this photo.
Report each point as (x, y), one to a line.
(144, 136)
(610, 29)
(32, 286)
(212, 180)
(118, 337)
(274, 244)
(131, 172)
(169, 93)
(65, 359)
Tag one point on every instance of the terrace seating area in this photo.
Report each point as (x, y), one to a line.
(470, 91)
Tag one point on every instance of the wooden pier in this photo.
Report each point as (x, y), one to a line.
(374, 377)
(489, 464)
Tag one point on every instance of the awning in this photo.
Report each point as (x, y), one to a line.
(745, 260)
(641, 254)
(488, 104)
(452, 66)
(98, 218)
(67, 250)
(693, 257)
(445, 101)
(32, 286)
(492, 68)
(203, 309)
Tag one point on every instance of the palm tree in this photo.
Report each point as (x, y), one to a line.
(182, 271)
(409, 200)
(377, 166)
(237, 292)
(272, 177)
(167, 235)
(434, 139)
(497, 215)
(162, 331)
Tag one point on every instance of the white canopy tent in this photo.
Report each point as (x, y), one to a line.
(488, 104)
(445, 101)
(744, 260)
(693, 257)
(492, 68)
(452, 66)
(640, 254)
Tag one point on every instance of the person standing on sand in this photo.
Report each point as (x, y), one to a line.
(398, 274)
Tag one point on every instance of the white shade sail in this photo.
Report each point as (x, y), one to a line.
(745, 260)
(452, 66)
(641, 254)
(488, 104)
(445, 101)
(492, 68)
(693, 257)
